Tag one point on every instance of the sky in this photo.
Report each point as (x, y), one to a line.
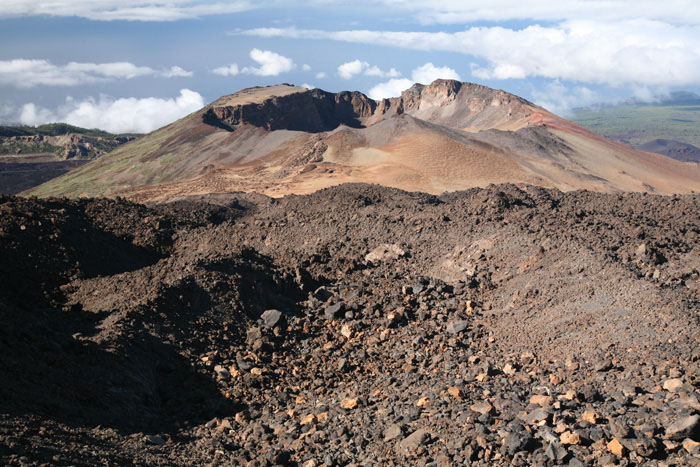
(134, 65)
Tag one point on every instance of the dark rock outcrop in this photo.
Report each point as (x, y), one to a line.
(317, 111)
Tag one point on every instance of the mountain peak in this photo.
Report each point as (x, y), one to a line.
(443, 136)
(287, 107)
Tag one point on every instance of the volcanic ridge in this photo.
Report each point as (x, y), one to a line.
(445, 136)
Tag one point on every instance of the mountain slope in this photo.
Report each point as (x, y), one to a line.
(442, 137)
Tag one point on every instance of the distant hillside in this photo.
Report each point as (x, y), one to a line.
(673, 118)
(30, 156)
(59, 139)
(675, 149)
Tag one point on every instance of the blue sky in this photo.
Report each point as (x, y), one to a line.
(133, 65)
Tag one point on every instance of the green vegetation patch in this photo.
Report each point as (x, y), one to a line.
(639, 124)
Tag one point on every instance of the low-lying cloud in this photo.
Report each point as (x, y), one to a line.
(24, 73)
(560, 99)
(355, 67)
(124, 115)
(424, 74)
(268, 64)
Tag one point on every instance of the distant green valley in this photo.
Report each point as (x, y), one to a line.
(667, 125)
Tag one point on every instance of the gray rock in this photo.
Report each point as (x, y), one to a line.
(322, 294)
(414, 440)
(516, 442)
(556, 452)
(333, 311)
(222, 371)
(384, 252)
(683, 428)
(537, 416)
(686, 401)
(393, 432)
(153, 439)
(619, 429)
(271, 318)
(455, 327)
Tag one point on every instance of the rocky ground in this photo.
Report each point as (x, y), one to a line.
(355, 326)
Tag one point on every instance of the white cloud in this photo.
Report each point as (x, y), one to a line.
(321, 75)
(424, 74)
(464, 12)
(23, 73)
(349, 69)
(558, 98)
(30, 114)
(228, 70)
(629, 52)
(428, 73)
(129, 10)
(125, 115)
(391, 88)
(305, 67)
(176, 71)
(308, 86)
(271, 64)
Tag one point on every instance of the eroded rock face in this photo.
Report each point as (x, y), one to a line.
(318, 111)
(312, 111)
(66, 146)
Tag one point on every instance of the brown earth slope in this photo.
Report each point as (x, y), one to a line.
(443, 137)
(499, 326)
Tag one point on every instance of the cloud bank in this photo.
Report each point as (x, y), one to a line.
(632, 52)
(23, 73)
(464, 12)
(428, 11)
(128, 10)
(126, 115)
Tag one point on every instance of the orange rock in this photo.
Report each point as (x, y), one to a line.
(423, 401)
(569, 437)
(616, 448)
(309, 419)
(590, 416)
(542, 401)
(349, 403)
(691, 446)
(455, 392)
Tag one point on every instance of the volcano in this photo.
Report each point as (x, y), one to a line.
(442, 137)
